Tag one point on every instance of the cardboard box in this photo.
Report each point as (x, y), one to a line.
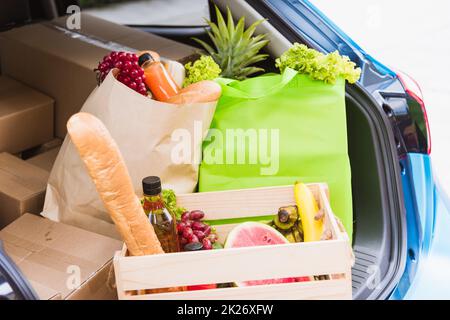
(60, 62)
(61, 261)
(22, 188)
(45, 160)
(26, 116)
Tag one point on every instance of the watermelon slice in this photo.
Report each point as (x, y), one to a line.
(250, 234)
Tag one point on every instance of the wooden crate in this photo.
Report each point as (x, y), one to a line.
(331, 257)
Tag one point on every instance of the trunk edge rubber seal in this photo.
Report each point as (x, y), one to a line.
(391, 181)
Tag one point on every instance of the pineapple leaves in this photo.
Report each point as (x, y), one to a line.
(206, 46)
(239, 31)
(222, 25)
(234, 48)
(230, 22)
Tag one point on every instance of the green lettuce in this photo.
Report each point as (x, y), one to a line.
(204, 68)
(325, 67)
(170, 201)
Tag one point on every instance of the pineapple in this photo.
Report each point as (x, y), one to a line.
(235, 49)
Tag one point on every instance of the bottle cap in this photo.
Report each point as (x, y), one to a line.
(143, 58)
(193, 246)
(151, 185)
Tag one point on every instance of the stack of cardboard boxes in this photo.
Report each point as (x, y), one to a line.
(47, 74)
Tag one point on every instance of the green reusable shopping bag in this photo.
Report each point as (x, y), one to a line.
(277, 129)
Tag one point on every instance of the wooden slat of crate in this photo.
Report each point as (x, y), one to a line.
(230, 265)
(243, 203)
(240, 264)
(314, 290)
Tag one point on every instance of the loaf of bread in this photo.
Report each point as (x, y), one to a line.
(107, 169)
(202, 91)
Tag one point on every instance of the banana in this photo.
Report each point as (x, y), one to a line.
(310, 215)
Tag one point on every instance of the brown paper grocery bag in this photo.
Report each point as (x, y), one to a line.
(149, 134)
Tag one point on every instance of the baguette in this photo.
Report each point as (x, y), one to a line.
(107, 169)
(202, 91)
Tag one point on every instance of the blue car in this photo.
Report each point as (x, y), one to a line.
(401, 217)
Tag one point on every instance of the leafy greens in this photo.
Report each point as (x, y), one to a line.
(325, 67)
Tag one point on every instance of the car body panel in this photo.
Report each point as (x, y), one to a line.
(431, 265)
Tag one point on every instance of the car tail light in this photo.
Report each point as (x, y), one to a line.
(413, 90)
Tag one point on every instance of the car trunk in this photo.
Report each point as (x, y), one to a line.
(378, 237)
(377, 211)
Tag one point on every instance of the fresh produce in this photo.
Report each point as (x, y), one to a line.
(325, 67)
(250, 234)
(204, 68)
(234, 49)
(287, 222)
(106, 167)
(199, 92)
(170, 201)
(130, 73)
(193, 231)
(310, 215)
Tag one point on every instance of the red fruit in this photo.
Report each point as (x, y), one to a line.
(207, 245)
(200, 235)
(180, 227)
(207, 230)
(202, 287)
(133, 73)
(128, 69)
(185, 216)
(126, 80)
(197, 225)
(187, 233)
(133, 85)
(142, 87)
(194, 238)
(197, 214)
(127, 65)
(102, 67)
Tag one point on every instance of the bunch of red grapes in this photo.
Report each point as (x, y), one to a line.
(192, 229)
(130, 73)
